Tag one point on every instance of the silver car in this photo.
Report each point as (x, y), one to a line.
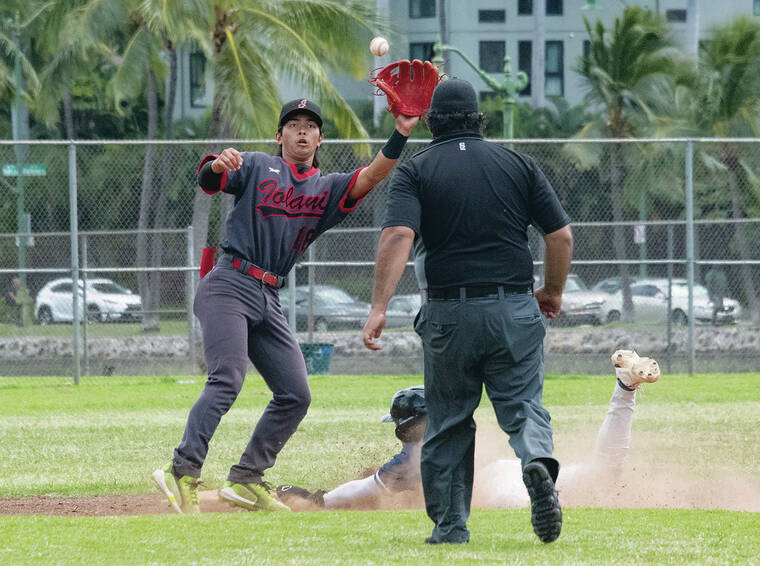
(650, 303)
(579, 304)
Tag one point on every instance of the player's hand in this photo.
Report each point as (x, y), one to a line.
(229, 160)
(405, 124)
(549, 304)
(373, 328)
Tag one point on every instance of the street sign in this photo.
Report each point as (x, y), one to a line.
(31, 170)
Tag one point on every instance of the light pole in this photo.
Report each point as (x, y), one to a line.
(507, 89)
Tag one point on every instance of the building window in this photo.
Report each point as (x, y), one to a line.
(524, 57)
(492, 56)
(756, 8)
(421, 9)
(492, 16)
(555, 69)
(553, 7)
(197, 80)
(421, 51)
(675, 15)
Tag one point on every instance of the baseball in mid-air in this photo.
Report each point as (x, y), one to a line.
(379, 46)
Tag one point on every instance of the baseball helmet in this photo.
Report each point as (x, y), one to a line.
(407, 407)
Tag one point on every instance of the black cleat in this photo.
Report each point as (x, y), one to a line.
(291, 494)
(545, 511)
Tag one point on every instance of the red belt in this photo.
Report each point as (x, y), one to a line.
(264, 276)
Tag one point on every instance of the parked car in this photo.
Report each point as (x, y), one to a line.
(650, 303)
(333, 309)
(402, 309)
(579, 304)
(611, 284)
(106, 301)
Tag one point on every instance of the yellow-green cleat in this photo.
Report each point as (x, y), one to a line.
(251, 496)
(186, 488)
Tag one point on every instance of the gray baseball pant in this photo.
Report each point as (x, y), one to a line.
(242, 319)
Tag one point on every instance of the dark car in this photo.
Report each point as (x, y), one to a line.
(333, 308)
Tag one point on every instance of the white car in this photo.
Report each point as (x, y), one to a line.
(650, 303)
(579, 304)
(106, 301)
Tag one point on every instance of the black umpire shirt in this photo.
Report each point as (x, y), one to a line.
(470, 203)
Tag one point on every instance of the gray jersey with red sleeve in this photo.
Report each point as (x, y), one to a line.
(278, 211)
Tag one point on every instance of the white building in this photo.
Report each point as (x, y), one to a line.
(485, 31)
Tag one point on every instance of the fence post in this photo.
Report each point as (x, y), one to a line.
(690, 247)
(189, 296)
(292, 320)
(74, 231)
(310, 318)
(85, 326)
(670, 295)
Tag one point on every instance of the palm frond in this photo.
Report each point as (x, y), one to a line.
(131, 74)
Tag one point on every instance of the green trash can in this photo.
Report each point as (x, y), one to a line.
(317, 356)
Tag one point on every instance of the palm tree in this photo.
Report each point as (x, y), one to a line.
(727, 104)
(136, 33)
(253, 47)
(618, 70)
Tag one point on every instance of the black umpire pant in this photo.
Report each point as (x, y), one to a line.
(496, 341)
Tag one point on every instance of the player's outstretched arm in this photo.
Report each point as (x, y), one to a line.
(386, 158)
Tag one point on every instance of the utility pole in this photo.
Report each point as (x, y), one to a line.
(538, 61)
(382, 7)
(20, 127)
(507, 89)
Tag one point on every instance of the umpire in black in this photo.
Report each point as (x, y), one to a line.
(466, 204)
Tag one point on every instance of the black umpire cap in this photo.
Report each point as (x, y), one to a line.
(300, 106)
(454, 95)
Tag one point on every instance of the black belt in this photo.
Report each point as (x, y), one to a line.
(476, 292)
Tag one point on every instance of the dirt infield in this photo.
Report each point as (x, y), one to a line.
(633, 490)
(105, 505)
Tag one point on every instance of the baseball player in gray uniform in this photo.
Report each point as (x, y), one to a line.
(499, 484)
(399, 474)
(282, 204)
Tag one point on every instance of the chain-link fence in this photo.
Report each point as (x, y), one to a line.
(666, 257)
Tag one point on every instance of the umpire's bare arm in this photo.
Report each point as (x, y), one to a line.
(559, 252)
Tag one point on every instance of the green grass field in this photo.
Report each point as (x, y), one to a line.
(694, 452)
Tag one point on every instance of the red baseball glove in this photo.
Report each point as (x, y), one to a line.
(407, 86)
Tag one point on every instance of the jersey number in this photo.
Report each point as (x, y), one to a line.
(304, 238)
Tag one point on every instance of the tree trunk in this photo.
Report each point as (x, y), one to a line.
(617, 178)
(68, 113)
(166, 175)
(150, 315)
(732, 162)
(202, 202)
(226, 202)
